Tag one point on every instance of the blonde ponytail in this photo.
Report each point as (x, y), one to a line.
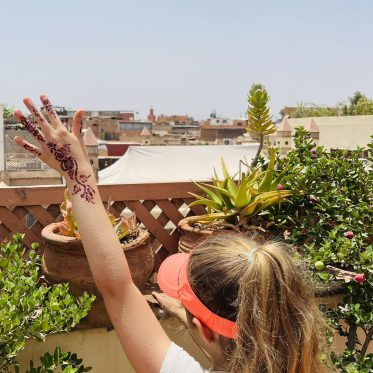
(278, 322)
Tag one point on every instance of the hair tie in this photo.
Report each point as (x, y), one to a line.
(250, 255)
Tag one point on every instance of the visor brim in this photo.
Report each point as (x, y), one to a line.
(168, 274)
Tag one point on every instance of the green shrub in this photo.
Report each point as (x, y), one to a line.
(68, 362)
(331, 223)
(29, 309)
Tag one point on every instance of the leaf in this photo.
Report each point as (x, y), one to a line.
(248, 210)
(209, 193)
(241, 198)
(206, 202)
(224, 168)
(265, 184)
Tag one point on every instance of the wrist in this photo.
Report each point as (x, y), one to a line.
(82, 168)
(81, 182)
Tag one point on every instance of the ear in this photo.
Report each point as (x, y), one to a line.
(207, 334)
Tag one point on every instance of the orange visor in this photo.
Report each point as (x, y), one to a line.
(173, 281)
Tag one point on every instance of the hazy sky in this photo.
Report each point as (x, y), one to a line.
(185, 57)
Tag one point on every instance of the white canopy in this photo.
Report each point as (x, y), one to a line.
(163, 164)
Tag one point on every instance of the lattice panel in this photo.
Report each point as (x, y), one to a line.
(159, 211)
(16, 219)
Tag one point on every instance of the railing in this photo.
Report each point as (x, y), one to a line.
(159, 207)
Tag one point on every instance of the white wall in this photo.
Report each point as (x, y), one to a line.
(101, 349)
(221, 122)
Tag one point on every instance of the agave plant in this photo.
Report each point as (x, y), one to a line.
(237, 201)
(124, 227)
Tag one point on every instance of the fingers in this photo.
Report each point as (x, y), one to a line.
(31, 127)
(26, 145)
(50, 111)
(36, 114)
(77, 130)
(78, 123)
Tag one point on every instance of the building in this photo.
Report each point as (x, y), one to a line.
(151, 116)
(222, 129)
(176, 120)
(132, 129)
(339, 132)
(18, 166)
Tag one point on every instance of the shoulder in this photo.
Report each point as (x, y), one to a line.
(177, 360)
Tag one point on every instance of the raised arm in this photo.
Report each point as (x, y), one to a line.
(141, 336)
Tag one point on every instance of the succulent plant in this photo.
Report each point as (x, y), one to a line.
(127, 227)
(69, 226)
(259, 119)
(124, 227)
(236, 201)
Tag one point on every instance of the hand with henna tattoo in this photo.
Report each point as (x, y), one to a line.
(60, 149)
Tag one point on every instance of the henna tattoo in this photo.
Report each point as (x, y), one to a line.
(31, 128)
(70, 165)
(36, 114)
(49, 107)
(31, 149)
(81, 126)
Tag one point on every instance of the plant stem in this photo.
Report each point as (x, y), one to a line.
(368, 338)
(255, 160)
(351, 337)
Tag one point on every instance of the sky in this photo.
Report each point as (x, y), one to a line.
(184, 57)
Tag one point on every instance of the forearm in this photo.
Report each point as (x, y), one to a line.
(104, 252)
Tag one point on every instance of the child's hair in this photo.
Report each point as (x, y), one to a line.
(260, 286)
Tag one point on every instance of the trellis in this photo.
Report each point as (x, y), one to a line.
(159, 207)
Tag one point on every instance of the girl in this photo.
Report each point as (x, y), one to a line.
(247, 306)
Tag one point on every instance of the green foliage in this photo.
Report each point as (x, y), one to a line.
(352, 362)
(259, 120)
(303, 111)
(238, 201)
(358, 104)
(29, 309)
(67, 361)
(336, 198)
(8, 112)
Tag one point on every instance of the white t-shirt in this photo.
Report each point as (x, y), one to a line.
(179, 361)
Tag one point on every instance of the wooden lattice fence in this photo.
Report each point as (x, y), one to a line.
(159, 207)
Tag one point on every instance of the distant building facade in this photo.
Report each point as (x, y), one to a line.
(339, 132)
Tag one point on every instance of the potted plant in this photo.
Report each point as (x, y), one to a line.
(235, 203)
(64, 259)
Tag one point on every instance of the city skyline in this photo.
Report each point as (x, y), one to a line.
(187, 58)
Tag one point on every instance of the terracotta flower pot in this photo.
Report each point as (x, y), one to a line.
(64, 260)
(191, 237)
